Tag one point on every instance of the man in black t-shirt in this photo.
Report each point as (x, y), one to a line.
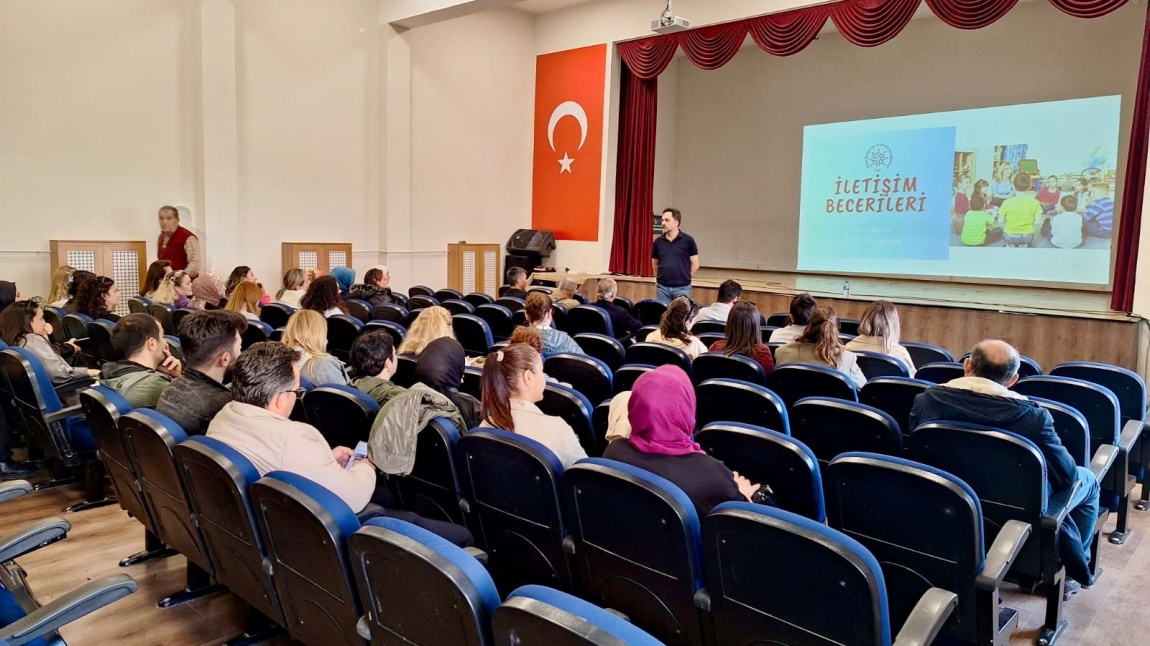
(674, 259)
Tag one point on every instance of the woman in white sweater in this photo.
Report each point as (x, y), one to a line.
(879, 331)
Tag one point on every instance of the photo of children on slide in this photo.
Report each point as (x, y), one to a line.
(1005, 198)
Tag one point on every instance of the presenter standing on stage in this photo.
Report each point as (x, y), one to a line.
(177, 245)
(674, 259)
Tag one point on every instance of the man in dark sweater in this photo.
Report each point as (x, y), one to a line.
(517, 280)
(210, 342)
(983, 396)
(622, 322)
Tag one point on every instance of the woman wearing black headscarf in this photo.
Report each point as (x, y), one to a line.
(8, 293)
(440, 368)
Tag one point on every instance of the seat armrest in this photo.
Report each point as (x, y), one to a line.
(63, 413)
(31, 537)
(1103, 460)
(14, 489)
(1001, 555)
(927, 618)
(703, 600)
(1058, 507)
(363, 629)
(74, 384)
(1130, 434)
(67, 608)
(478, 554)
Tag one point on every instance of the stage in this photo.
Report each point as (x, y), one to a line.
(1049, 325)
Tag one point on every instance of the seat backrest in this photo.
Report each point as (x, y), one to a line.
(55, 317)
(871, 496)
(842, 599)
(636, 546)
(715, 365)
(559, 317)
(709, 339)
(731, 400)
(924, 353)
(1072, 428)
(834, 426)
(396, 330)
(894, 396)
(218, 479)
(794, 381)
(103, 408)
(457, 306)
(659, 354)
(163, 313)
(76, 325)
(358, 308)
(589, 319)
(939, 372)
(420, 290)
(276, 314)
(448, 294)
(649, 311)
(535, 614)
(421, 302)
(100, 340)
(586, 374)
(1096, 403)
(779, 319)
(342, 414)
(472, 382)
(341, 332)
(498, 319)
(877, 364)
(511, 486)
(255, 332)
(849, 326)
(702, 327)
(404, 371)
(575, 409)
(1127, 385)
(390, 312)
(625, 303)
(766, 457)
(626, 375)
(35, 398)
(432, 488)
(604, 348)
(479, 298)
(305, 529)
(138, 305)
(512, 303)
(473, 334)
(446, 596)
(1028, 367)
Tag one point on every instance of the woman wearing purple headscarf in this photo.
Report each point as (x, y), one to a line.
(662, 415)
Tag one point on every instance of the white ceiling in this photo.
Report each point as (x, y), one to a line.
(543, 6)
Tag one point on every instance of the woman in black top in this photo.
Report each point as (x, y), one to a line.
(440, 368)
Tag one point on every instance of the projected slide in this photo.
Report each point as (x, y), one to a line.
(1021, 192)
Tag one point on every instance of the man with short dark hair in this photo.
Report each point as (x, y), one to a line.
(148, 369)
(730, 292)
(374, 362)
(623, 324)
(516, 283)
(674, 259)
(210, 342)
(983, 397)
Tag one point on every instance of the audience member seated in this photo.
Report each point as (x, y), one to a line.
(675, 327)
(512, 383)
(245, 299)
(149, 367)
(622, 322)
(344, 278)
(618, 422)
(539, 316)
(431, 324)
(175, 290)
(61, 284)
(306, 333)
(376, 287)
(373, 360)
(879, 331)
(323, 297)
(22, 325)
(517, 281)
(819, 344)
(526, 335)
(730, 292)
(157, 271)
(801, 307)
(241, 274)
(745, 336)
(207, 292)
(8, 293)
(662, 416)
(295, 286)
(78, 278)
(210, 342)
(440, 368)
(983, 396)
(98, 297)
(564, 293)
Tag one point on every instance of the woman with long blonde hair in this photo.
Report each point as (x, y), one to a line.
(246, 300)
(295, 286)
(431, 324)
(819, 344)
(879, 331)
(175, 290)
(306, 332)
(61, 281)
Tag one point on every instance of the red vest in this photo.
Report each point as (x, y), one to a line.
(174, 252)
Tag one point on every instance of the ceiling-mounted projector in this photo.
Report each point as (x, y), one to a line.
(668, 22)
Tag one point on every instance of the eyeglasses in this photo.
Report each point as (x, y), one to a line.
(299, 392)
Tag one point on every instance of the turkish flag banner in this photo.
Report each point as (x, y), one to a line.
(568, 164)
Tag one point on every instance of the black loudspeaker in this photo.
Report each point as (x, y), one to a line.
(531, 242)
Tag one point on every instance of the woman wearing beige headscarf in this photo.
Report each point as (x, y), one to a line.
(207, 292)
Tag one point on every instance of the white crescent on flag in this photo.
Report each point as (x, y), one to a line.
(567, 109)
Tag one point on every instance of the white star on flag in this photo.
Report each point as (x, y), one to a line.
(565, 164)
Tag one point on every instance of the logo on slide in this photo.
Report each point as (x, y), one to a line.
(879, 157)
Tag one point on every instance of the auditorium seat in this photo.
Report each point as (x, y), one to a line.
(163, 314)
(421, 302)
(518, 318)
(575, 409)
(511, 488)
(842, 598)
(940, 372)
(358, 308)
(767, 457)
(877, 364)
(388, 312)
(659, 354)
(604, 348)
(924, 353)
(794, 381)
(513, 303)
(625, 303)
(75, 325)
(710, 338)
(1008, 473)
(420, 290)
(635, 542)
(276, 314)
(341, 332)
(732, 400)
(600, 420)
(100, 341)
(277, 334)
(479, 298)
(447, 294)
(649, 311)
(586, 374)
(457, 306)
(342, 414)
(498, 319)
(715, 365)
(138, 305)
(305, 529)
(535, 614)
(774, 348)
(1071, 427)
(432, 489)
(404, 370)
(779, 319)
(473, 333)
(894, 396)
(397, 332)
(55, 317)
(447, 597)
(255, 332)
(540, 288)
(589, 319)
(833, 426)
(642, 333)
(849, 326)
(871, 497)
(703, 327)
(472, 382)
(626, 375)
(559, 315)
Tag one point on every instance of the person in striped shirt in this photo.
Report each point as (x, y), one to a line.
(1099, 218)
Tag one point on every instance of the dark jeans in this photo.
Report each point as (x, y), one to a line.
(380, 506)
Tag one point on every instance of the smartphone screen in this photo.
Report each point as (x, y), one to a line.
(360, 453)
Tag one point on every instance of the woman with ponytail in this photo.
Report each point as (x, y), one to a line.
(512, 383)
(675, 327)
(819, 344)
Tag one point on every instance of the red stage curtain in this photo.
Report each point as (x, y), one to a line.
(970, 14)
(870, 23)
(713, 47)
(783, 34)
(635, 174)
(1133, 189)
(646, 58)
(1087, 8)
